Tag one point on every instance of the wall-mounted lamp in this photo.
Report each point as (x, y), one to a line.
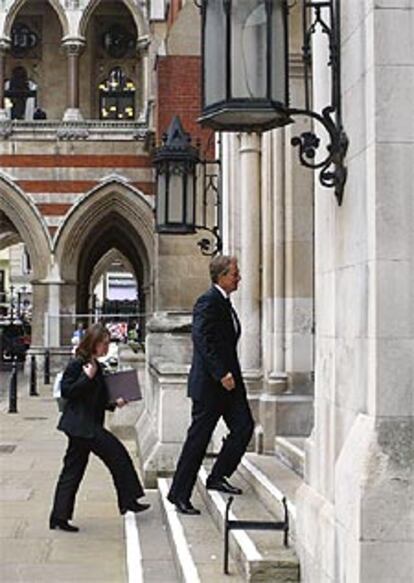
(176, 163)
(245, 55)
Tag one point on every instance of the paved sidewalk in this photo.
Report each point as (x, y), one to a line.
(29, 551)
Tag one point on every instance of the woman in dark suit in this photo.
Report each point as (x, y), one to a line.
(82, 420)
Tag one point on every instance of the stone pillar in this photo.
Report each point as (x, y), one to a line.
(273, 288)
(143, 44)
(4, 48)
(180, 276)
(250, 260)
(162, 426)
(73, 48)
(39, 308)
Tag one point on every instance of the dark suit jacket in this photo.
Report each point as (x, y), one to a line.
(215, 338)
(87, 400)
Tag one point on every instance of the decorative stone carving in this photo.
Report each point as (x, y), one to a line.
(6, 129)
(72, 133)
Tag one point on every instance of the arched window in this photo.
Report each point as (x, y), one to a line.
(117, 96)
(20, 94)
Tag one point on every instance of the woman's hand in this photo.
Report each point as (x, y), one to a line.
(120, 402)
(90, 369)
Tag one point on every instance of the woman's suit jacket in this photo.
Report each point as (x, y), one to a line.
(216, 331)
(87, 400)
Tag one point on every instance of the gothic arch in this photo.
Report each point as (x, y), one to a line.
(98, 212)
(26, 218)
(15, 7)
(106, 260)
(132, 6)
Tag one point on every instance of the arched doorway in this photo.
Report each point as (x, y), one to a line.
(112, 218)
(22, 227)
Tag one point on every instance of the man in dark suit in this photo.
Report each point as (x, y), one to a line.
(216, 388)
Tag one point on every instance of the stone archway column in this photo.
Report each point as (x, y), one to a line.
(4, 48)
(250, 261)
(142, 50)
(73, 48)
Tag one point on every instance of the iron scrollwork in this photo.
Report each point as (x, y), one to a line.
(333, 171)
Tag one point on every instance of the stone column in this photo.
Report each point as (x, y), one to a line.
(163, 423)
(4, 47)
(250, 259)
(143, 44)
(73, 48)
(273, 301)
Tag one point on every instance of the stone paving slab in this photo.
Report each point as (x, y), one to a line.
(29, 551)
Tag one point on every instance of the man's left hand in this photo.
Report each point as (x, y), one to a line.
(228, 382)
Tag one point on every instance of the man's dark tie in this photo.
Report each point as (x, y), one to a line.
(234, 316)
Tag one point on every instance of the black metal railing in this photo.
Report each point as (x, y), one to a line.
(252, 525)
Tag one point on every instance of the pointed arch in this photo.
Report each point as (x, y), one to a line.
(105, 205)
(105, 261)
(16, 6)
(132, 6)
(28, 221)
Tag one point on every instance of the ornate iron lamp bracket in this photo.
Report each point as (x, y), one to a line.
(207, 246)
(211, 180)
(333, 172)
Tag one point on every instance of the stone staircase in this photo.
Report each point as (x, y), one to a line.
(255, 555)
(291, 451)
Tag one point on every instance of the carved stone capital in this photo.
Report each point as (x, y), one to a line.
(73, 46)
(143, 43)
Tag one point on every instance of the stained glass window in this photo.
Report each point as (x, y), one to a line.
(117, 96)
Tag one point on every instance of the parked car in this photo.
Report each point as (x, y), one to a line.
(15, 339)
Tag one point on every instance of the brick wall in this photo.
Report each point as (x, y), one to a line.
(179, 93)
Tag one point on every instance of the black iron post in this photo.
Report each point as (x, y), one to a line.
(47, 367)
(11, 304)
(33, 378)
(13, 386)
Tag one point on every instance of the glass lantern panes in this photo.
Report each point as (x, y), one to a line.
(175, 163)
(245, 63)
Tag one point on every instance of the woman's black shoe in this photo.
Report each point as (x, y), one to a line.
(62, 524)
(135, 507)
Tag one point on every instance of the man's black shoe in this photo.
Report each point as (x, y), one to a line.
(186, 508)
(62, 525)
(223, 486)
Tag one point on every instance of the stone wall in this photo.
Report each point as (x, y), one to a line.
(355, 518)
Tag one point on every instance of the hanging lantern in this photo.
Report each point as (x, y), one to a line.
(175, 165)
(245, 64)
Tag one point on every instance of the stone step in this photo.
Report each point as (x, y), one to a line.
(260, 554)
(291, 451)
(196, 543)
(271, 480)
(154, 549)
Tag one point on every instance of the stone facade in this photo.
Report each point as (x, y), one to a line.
(360, 457)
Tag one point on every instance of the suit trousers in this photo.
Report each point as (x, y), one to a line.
(235, 410)
(116, 458)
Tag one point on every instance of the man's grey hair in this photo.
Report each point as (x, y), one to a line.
(220, 265)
